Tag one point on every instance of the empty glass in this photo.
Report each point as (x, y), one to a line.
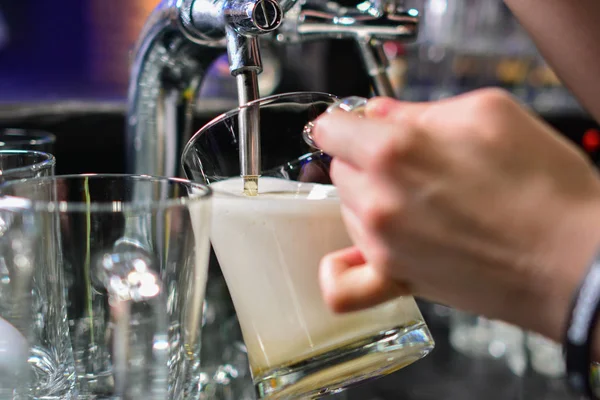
(134, 275)
(21, 164)
(43, 378)
(27, 139)
(269, 247)
(18, 246)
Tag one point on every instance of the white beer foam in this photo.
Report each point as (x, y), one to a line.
(278, 188)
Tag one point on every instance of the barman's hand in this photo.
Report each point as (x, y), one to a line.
(471, 201)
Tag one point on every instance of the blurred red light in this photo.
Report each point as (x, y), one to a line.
(591, 140)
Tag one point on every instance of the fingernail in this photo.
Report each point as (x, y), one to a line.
(379, 107)
(316, 127)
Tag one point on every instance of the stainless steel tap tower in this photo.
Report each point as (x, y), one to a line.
(182, 38)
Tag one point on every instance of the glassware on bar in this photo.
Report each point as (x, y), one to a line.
(19, 332)
(133, 274)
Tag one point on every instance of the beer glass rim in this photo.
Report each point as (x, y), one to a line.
(43, 161)
(231, 113)
(24, 136)
(196, 193)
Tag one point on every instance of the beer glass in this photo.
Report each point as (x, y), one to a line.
(269, 247)
(134, 275)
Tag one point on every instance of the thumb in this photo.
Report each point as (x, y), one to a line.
(348, 283)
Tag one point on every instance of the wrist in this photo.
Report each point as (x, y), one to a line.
(564, 261)
(577, 251)
(581, 329)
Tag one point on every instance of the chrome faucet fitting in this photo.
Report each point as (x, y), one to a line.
(182, 38)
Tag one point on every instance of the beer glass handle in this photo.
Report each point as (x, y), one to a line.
(140, 346)
(353, 104)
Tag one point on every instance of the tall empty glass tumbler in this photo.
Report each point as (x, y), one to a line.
(18, 250)
(46, 377)
(135, 275)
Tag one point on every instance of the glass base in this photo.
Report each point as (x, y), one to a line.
(52, 379)
(338, 369)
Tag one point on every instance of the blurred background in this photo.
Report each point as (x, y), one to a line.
(64, 68)
(81, 48)
(67, 49)
(76, 54)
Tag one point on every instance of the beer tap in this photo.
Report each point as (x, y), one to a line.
(178, 44)
(182, 38)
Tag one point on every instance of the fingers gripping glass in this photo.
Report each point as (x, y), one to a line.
(350, 104)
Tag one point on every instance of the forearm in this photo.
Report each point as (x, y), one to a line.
(567, 33)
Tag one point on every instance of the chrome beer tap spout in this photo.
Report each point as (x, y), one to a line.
(179, 42)
(369, 23)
